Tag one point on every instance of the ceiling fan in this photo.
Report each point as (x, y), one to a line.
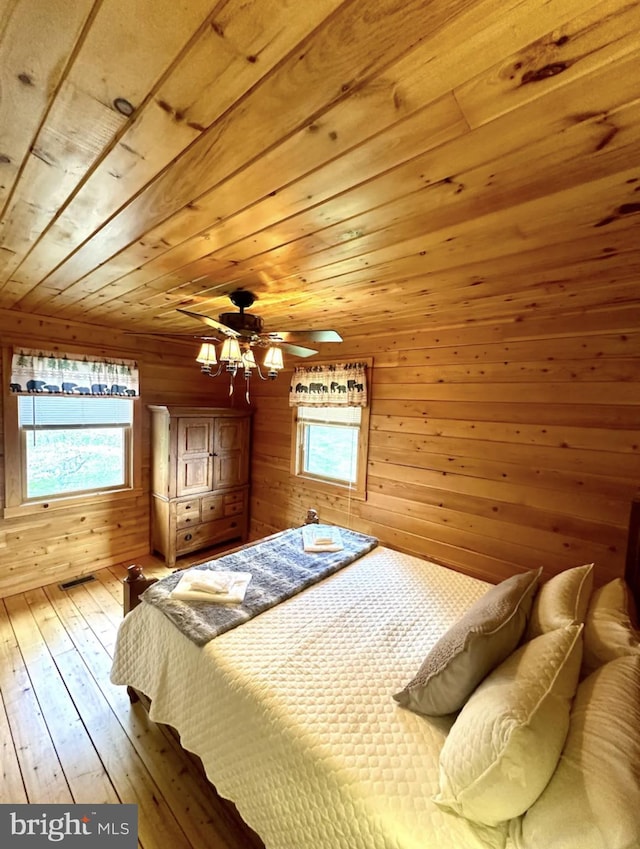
(242, 331)
(249, 328)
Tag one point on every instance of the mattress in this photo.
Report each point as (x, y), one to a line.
(292, 713)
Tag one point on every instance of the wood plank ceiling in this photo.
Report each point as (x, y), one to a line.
(353, 162)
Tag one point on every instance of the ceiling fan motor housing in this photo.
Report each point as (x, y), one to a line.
(242, 322)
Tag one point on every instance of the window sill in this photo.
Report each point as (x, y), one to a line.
(32, 508)
(331, 488)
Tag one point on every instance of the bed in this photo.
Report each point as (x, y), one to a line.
(294, 718)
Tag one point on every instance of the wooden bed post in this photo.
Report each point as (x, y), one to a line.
(133, 586)
(632, 563)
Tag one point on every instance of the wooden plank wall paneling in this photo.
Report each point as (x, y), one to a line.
(37, 550)
(493, 447)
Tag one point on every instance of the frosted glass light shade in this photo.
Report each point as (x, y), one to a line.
(207, 354)
(248, 360)
(273, 359)
(231, 350)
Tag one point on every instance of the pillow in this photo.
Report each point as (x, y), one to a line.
(608, 631)
(487, 633)
(561, 601)
(593, 799)
(505, 744)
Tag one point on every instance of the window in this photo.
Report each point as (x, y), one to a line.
(329, 442)
(331, 446)
(330, 434)
(72, 430)
(72, 446)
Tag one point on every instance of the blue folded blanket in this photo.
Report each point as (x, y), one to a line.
(280, 568)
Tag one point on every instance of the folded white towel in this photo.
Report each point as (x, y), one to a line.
(198, 584)
(213, 582)
(321, 539)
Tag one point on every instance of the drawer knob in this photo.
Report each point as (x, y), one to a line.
(187, 537)
(188, 507)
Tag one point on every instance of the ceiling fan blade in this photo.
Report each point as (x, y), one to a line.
(297, 350)
(196, 338)
(209, 321)
(309, 335)
(186, 337)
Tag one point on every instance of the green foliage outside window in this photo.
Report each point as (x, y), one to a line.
(62, 461)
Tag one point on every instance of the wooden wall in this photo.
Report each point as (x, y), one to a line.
(494, 446)
(72, 542)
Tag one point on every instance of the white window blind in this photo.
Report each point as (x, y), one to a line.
(344, 416)
(51, 410)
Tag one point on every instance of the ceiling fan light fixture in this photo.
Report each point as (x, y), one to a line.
(273, 361)
(207, 356)
(248, 359)
(231, 352)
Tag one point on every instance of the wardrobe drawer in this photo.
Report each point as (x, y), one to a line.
(207, 533)
(211, 507)
(188, 513)
(234, 503)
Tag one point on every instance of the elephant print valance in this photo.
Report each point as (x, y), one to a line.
(69, 374)
(337, 385)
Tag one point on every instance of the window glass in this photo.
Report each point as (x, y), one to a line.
(331, 452)
(74, 445)
(328, 442)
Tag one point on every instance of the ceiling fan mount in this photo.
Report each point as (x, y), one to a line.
(243, 299)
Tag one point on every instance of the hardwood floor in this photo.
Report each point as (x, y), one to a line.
(68, 735)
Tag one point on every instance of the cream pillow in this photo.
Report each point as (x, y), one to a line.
(608, 630)
(561, 601)
(481, 639)
(505, 744)
(593, 799)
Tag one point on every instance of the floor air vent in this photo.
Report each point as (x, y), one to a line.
(84, 579)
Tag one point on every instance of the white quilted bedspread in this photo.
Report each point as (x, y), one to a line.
(292, 714)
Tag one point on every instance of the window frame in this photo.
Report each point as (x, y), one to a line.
(356, 490)
(17, 504)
